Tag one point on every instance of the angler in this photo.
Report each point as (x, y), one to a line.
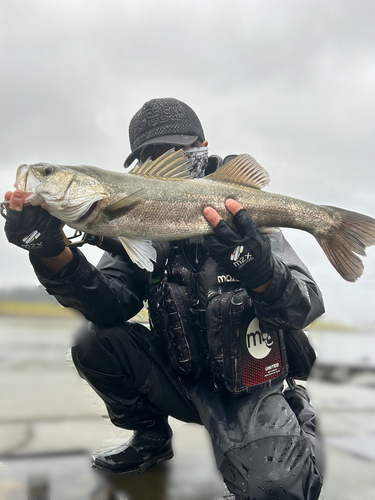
(193, 363)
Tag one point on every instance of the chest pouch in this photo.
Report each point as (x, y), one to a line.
(175, 321)
(244, 355)
(301, 355)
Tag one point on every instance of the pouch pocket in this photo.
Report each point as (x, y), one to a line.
(301, 356)
(244, 355)
(175, 320)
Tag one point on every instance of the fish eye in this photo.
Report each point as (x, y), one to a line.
(48, 170)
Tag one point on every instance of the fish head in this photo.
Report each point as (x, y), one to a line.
(68, 193)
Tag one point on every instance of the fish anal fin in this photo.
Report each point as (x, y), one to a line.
(169, 166)
(141, 252)
(117, 209)
(243, 169)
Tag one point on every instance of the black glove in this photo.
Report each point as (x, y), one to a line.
(34, 229)
(245, 255)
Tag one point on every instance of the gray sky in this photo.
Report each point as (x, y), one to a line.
(290, 82)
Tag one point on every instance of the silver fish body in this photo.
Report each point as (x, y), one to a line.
(174, 212)
(159, 201)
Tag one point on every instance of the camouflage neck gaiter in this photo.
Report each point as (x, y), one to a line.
(198, 161)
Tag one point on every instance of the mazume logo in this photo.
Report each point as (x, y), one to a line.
(31, 237)
(29, 242)
(240, 260)
(258, 344)
(226, 278)
(236, 252)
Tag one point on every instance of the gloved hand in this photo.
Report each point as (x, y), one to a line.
(246, 255)
(34, 229)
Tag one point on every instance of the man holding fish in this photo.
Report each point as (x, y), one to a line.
(222, 307)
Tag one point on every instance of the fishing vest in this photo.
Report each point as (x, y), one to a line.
(203, 321)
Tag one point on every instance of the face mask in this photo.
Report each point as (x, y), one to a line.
(198, 161)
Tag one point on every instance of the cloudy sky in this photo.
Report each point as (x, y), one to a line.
(290, 82)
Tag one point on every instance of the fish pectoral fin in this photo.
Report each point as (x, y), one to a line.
(268, 230)
(141, 252)
(245, 170)
(171, 165)
(118, 209)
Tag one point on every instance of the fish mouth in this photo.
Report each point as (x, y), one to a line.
(21, 177)
(87, 214)
(27, 182)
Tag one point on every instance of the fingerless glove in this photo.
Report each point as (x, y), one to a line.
(35, 230)
(244, 254)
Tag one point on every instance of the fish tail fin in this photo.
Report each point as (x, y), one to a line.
(354, 234)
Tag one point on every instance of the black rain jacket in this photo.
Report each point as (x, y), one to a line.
(115, 290)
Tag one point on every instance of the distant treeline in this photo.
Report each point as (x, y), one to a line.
(26, 294)
(16, 300)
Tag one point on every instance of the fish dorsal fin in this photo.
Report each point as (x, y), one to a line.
(170, 166)
(243, 169)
